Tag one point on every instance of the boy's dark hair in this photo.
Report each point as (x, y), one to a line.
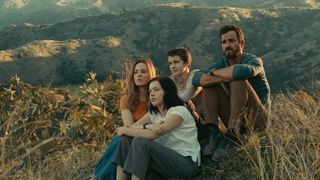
(170, 98)
(183, 53)
(226, 28)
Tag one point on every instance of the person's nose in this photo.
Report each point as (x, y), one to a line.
(151, 93)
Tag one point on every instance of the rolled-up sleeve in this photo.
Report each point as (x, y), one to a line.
(196, 78)
(247, 70)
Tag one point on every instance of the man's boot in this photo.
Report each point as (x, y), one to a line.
(213, 140)
(228, 147)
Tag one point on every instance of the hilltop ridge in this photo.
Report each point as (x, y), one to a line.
(17, 12)
(63, 53)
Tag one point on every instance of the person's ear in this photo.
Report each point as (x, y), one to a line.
(242, 43)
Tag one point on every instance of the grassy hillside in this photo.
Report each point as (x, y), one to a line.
(59, 134)
(53, 11)
(63, 53)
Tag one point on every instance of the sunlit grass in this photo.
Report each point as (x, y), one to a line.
(290, 149)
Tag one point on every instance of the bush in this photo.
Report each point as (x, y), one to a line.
(36, 122)
(70, 72)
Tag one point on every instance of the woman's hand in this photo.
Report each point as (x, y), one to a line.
(156, 128)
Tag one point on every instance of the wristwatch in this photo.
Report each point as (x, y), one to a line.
(145, 125)
(211, 71)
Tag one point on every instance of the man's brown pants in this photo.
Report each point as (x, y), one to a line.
(237, 107)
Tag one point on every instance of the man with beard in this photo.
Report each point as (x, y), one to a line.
(236, 91)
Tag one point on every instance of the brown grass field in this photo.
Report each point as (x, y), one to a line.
(49, 133)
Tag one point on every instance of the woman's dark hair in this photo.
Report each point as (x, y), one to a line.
(170, 98)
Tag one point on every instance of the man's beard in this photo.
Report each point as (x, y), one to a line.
(234, 53)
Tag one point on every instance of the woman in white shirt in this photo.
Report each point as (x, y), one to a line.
(165, 141)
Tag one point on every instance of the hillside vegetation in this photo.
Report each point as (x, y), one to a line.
(14, 12)
(48, 133)
(287, 39)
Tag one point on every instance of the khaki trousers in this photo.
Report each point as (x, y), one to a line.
(238, 108)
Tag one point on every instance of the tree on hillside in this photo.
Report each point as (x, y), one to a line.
(70, 72)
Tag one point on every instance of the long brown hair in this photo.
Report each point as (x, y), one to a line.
(133, 90)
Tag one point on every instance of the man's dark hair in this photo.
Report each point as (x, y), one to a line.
(226, 28)
(183, 53)
(170, 98)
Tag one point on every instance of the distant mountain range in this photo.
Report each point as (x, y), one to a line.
(14, 12)
(287, 39)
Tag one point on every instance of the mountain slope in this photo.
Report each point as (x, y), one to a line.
(287, 42)
(53, 11)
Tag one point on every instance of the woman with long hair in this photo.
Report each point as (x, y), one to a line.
(165, 140)
(133, 106)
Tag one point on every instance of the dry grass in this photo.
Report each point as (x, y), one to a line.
(290, 149)
(74, 163)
